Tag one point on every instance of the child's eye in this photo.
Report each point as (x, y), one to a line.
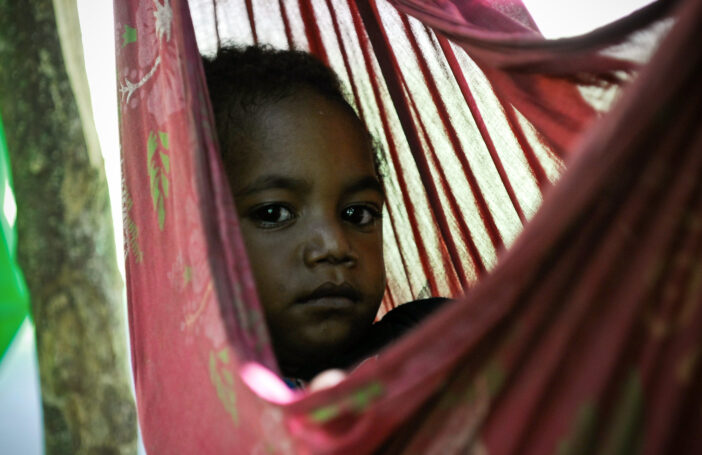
(360, 215)
(271, 215)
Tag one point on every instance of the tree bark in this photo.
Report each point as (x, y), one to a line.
(65, 237)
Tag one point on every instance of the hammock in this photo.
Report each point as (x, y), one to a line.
(583, 338)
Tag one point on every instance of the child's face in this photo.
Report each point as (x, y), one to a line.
(310, 203)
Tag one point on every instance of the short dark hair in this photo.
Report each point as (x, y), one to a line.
(241, 79)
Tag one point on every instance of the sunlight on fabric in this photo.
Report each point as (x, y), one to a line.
(267, 384)
(562, 18)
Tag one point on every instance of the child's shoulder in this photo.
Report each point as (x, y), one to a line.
(392, 326)
(411, 313)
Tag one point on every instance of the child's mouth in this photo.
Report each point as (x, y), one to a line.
(330, 294)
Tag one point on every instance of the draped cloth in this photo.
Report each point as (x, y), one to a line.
(578, 317)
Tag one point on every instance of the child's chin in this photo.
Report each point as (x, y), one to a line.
(335, 337)
(328, 347)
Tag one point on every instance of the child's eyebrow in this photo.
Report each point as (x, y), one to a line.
(365, 183)
(273, 181)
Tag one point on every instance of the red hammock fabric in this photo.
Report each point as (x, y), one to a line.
(584, 339)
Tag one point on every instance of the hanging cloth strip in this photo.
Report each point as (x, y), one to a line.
(584, 338)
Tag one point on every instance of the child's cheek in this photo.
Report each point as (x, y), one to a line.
(269, 257)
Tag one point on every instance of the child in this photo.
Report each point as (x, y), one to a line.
(305, 179)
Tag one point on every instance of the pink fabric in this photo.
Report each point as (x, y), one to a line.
(586, 336)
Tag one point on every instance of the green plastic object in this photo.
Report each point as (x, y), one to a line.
(14, 298)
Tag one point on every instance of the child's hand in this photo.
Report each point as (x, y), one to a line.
(326, 379)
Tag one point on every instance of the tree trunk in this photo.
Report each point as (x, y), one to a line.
(65, 237)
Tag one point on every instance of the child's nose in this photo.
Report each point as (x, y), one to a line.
(328, 244)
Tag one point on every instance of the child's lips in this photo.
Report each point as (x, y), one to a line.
(330, 294)
(331, 302)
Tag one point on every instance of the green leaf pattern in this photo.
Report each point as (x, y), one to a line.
(129, 36)
(582, 434)
(223, 381)
(622, 427)
(357, 402)
(626, 427)
(159, 168)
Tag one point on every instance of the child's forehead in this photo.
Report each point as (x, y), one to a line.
(306, 103)
(310, 139)
(308, 126)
